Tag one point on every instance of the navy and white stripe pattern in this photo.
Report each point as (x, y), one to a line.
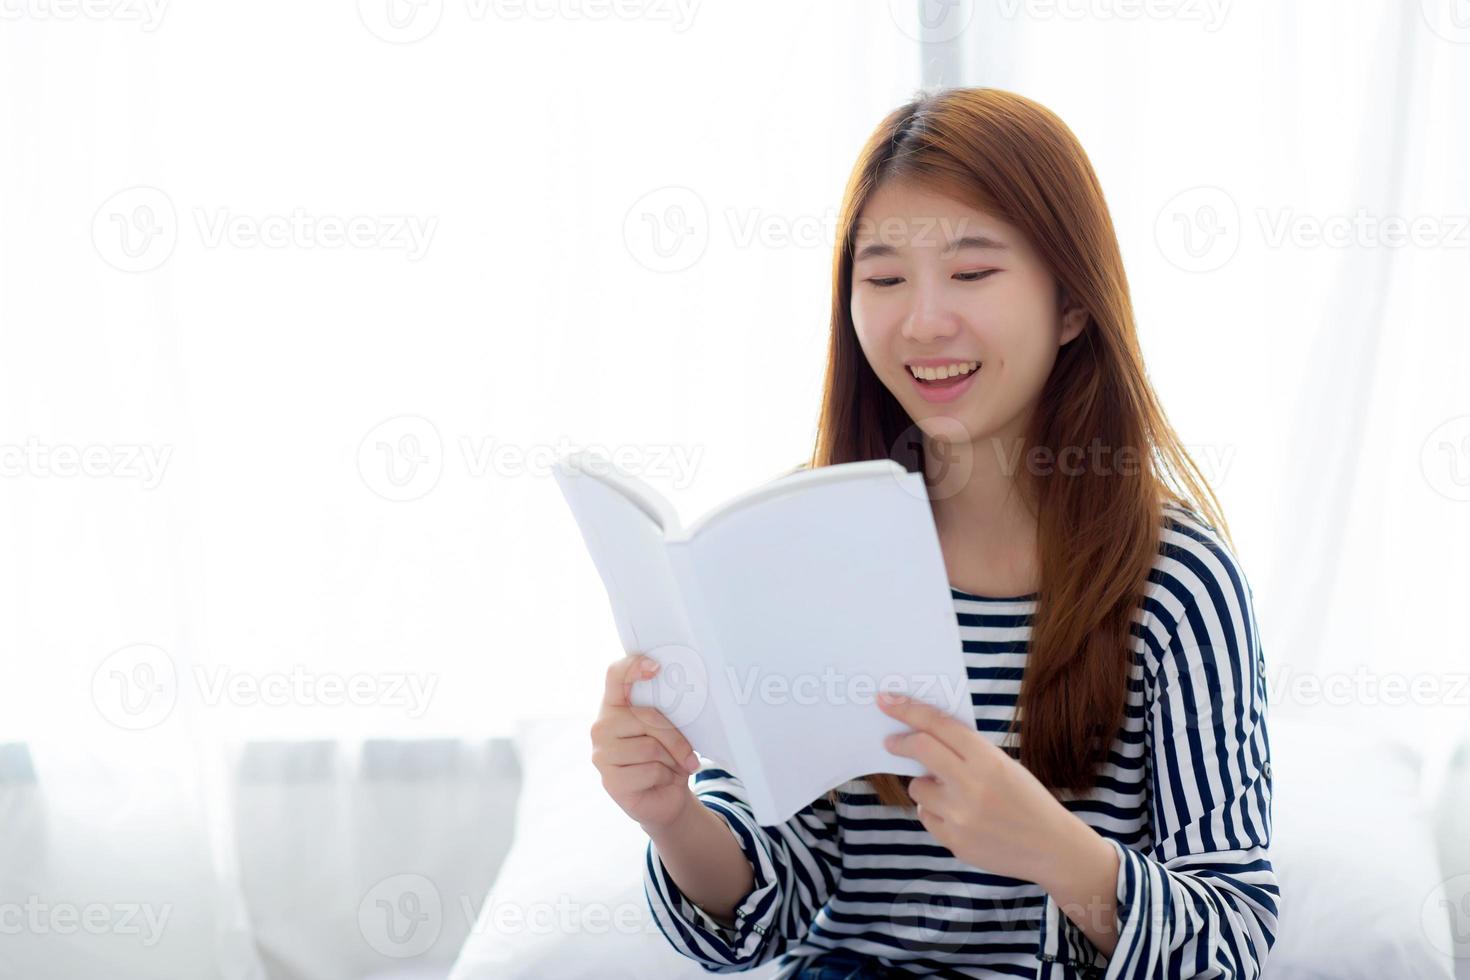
(1184, 798)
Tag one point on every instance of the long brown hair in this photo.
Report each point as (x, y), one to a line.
(1098, 527)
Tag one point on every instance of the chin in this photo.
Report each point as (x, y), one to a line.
(950, 427)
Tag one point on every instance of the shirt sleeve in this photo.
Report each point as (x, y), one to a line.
(1202, 899)
(795, 866)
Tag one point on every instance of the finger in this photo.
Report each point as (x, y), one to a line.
(631, 751)
(652, 718)
(953, 733)
(636, 779)
(628, 722)
(620, 677)
(925, 792)
(656, 723)
(925, 748)
(677, 746)
(932, 821)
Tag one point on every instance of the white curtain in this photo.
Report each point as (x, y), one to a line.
(297, 301)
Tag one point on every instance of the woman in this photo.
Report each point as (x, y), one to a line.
(982, 334)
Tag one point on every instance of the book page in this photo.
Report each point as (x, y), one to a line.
(821, 598)
(629, 552)
(789, 482)
(639, 491)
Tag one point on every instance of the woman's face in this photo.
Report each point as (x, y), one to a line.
(936, 282)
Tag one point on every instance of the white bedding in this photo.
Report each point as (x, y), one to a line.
(1352, 845)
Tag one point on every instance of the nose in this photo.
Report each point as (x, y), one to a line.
(932, 317)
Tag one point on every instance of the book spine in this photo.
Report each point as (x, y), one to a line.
(747, 759)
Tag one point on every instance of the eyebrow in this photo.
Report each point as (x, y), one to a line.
(969, 241)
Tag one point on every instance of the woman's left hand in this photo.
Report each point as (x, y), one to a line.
(986, 807)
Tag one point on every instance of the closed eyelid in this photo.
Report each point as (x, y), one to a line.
(979, 273)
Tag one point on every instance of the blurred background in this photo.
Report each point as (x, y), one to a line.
(298, 303)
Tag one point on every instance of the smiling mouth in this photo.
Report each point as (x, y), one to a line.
(949, 382)
(955, 381)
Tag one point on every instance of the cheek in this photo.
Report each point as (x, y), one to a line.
(869, 323)
(863, 311)
(1032, 348)
(860, 327)
(1021, 329)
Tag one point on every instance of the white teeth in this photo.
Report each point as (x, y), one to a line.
(947, 371)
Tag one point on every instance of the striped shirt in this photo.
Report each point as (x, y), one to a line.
(1184, 798)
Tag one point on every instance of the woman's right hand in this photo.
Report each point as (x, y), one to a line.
(645, 762)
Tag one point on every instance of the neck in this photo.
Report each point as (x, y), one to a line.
(978, 498)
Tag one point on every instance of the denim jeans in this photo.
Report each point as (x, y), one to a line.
(842, 964)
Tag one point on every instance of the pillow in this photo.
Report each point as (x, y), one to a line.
(1354, 853)
(568, 901)
(1352, 846)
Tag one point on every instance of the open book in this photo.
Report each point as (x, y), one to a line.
(778, 616)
